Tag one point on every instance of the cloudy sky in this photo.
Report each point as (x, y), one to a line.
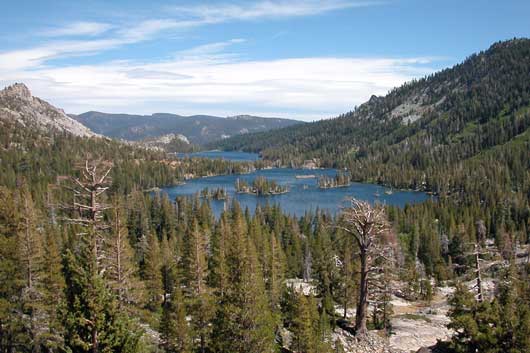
(298, 59)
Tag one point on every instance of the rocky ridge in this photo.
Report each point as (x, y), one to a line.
(18, 104)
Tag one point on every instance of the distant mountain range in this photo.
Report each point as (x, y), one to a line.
(197, 129)
(168, 131)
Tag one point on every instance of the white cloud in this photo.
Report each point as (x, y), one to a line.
(210, 48)
(312, 87)
(205, 78)
(78, 29)
(36, 57)
(268, 9)
(149, 28)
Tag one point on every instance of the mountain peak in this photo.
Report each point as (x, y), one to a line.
(17, 90)
(18, 105)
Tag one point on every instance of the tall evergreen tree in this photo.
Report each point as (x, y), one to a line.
(31, 255)
(152, 272)
(309, 328)
(243, 322)
(199, 294)
(12, 336)
(90, 315)
(120, 266)
(174, 329)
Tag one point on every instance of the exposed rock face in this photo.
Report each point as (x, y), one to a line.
(417, 325)
(165, 139)
(369, 343)
(17, 104)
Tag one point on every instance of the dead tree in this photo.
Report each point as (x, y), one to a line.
(87, 207)
(380, 282)
(87, 211)
(368, 227)
(119, 257)
(480, 248)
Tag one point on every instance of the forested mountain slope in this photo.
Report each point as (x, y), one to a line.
(198, 129)
(430, 123)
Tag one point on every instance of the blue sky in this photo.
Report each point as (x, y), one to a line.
(300, 59)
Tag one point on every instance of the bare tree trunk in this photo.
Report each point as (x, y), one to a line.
(479, 276)
(368, 226)
(95, 342)
(362, 305)
(345, 303)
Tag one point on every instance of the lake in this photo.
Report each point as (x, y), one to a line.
(304, 194)
(227, 155)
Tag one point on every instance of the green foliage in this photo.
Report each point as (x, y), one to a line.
(90, 310)
(174, 330)
(260, 186)
(499, 325)
(243, 322)
(309, 328)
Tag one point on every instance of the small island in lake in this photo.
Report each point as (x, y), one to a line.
(340, 180)
(260, 186)
(215, 194)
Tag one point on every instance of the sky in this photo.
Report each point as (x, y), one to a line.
(305, 60)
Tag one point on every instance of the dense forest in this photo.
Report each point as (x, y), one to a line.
(469, 143)
(94, 259)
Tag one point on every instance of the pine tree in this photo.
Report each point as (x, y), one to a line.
(243, 321)
(305, 319)
(309, 328)
(199, 295)
(174, 330)
(381, 295)
(30, 246)
(53, 289)
(92, 320)
(475, 323)
(30, 257)
(275, 271)
(151, 272)
(138, 224)
(217, 265)
(121, 268)
(514, 314)
(12, 334)
(90, 314)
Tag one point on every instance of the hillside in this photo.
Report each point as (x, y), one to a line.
(198, 129)
(422, 126)
(17, 104)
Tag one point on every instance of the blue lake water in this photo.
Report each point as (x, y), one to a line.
(227, 155)
(304, 194)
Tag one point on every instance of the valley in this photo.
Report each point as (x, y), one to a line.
(402, 225)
